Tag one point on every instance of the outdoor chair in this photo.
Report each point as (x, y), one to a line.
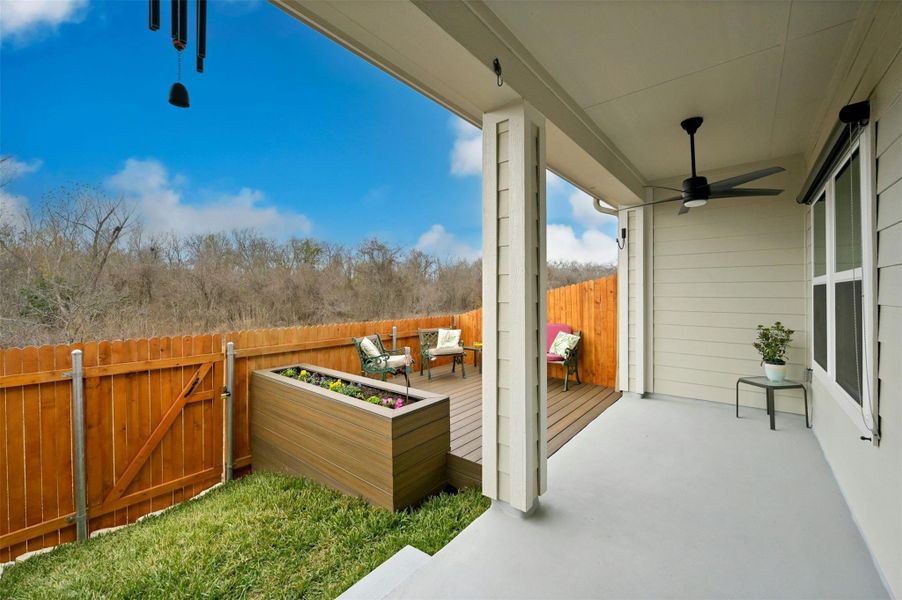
(429, 351)
(376, 360)
(570, 359)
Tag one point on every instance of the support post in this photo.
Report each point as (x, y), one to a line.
(78, 446)
(514, 386)
(230, 382)
(394, 337)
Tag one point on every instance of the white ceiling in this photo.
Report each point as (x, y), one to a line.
(759, 72)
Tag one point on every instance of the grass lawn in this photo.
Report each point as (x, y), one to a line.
(264, 536)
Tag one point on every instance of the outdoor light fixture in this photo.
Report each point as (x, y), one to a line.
(178, 93)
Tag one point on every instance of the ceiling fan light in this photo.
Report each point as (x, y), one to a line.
(695, 203)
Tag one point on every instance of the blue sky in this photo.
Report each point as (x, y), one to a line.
(288, 132)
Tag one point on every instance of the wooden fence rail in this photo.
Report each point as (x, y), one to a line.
(154, 416)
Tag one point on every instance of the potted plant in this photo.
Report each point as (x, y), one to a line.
(772, 343)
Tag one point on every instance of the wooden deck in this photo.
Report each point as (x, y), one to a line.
(568, 413)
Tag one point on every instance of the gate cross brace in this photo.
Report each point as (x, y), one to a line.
(156, 436)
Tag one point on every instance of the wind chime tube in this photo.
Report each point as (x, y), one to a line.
(174, 5)
(153, 17)
(201, 34)
(183, 23)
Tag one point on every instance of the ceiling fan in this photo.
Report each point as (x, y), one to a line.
(696, 189)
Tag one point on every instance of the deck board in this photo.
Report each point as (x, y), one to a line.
(568, 413)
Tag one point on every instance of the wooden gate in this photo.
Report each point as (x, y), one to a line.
(153, 423)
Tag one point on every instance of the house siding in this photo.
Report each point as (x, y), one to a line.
(503, 342)
(633, 240)
(718, 272)
(871, 477)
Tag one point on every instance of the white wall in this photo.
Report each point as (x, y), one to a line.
(871, 477)
(718, 272)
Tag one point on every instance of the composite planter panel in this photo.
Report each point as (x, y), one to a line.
(391, 457)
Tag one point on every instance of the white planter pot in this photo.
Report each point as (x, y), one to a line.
(775, 373)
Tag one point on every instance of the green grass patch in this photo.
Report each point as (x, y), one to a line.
(264, 536)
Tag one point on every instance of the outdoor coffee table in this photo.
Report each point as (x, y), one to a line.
(769, 387)
(477, 355)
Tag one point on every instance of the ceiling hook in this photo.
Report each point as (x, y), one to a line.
(496, 65)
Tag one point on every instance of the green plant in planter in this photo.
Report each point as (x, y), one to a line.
(772, 343)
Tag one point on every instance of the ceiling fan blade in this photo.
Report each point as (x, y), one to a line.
(663, 187)
(744, 193)
(725, 184)
(683, 209)
(673, 199)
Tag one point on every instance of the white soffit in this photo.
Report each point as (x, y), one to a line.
(759, 72)
(400, 38)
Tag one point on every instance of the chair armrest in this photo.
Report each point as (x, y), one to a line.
(375, 362)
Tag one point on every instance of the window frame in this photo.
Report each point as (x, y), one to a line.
(865, 273)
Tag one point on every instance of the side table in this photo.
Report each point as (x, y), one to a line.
(769, 387)
(477, 355)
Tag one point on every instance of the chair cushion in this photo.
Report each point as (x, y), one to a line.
(555, 357)
(563, 344)
(445, 351)
(368, 347)
(448, 338)
(553, 329)
(397, 362)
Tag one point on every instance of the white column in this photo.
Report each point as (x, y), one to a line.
(514, 392)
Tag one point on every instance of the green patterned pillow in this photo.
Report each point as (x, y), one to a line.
(448, 338)
(563, 344)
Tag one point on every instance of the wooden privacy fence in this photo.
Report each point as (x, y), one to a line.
(154, 413)
(153, 421)
(590, 307)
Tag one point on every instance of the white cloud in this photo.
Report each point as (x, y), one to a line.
(13, 207)
(12, 168)
(592, 246)
(466, 154)
(161, 208)
(12, 210)
(439, 242)
(583, 211)
(21, 20)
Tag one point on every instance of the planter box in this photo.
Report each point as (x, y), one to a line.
(391, 457)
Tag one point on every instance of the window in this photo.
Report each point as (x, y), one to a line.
(841, 253)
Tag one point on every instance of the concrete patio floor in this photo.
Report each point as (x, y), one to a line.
(668, 498)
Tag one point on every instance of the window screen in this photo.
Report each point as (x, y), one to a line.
(848, 216)
(820, 325)
(819, 236)
(848, 337)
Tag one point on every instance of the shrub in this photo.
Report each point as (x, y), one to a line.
(772, 343)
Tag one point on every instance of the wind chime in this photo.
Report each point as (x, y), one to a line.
(178, 93)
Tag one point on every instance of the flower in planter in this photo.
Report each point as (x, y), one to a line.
(399, 403)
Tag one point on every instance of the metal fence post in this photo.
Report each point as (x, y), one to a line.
(78, 443)
(394, 337)
(230, 382)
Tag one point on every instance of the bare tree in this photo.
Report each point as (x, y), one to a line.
(81, 267)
